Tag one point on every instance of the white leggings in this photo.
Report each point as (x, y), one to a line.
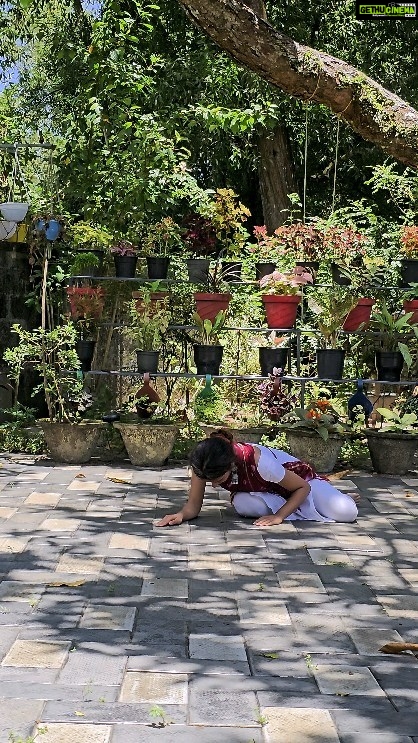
(330, 503)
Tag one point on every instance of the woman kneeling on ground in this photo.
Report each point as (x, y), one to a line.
(266, 484)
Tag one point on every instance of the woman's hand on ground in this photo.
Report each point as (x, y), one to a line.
(269, 520)
(171, 519)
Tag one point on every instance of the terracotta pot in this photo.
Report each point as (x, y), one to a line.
(156, 297)
(281, 311)
(359, 314)
(208, 305)
(411, 305)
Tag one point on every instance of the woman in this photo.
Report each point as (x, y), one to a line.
(264, 483)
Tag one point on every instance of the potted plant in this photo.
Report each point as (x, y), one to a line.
(208, 353)
(274, 353)
(148, 442)
(160, 241)
(409, 254)
(304, 243)
(275, 403)
(125, 257)
(330, 310)
(392, 331)
(91, 242)
(149, 321)
(280, 294)
(264, 252)
(52, 354)
(410, 303)
(86, 309)
(346, 247)
(392, 448)
(228, 217)
(315, 433)
(199, 237)
(215, 299)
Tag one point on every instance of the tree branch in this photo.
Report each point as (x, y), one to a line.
(376, 114)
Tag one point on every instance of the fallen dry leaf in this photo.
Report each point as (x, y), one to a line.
(116, 479)
(67, 584)
(399, 647)
(271, 656)
(80, 477)
(338, 475)
(79, 714)
(409, 494)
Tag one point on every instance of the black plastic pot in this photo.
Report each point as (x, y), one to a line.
(389, 365)
(198, 270)
(264, 269)
(125, 266)
(409, 271)
(85, 352)
(207, 359)
(330, 363)
(272, 357)
(231, 270)
(147, 361)
(338, 277)
(157, 267)
(94, 270)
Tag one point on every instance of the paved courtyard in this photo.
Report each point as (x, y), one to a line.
(114, 631)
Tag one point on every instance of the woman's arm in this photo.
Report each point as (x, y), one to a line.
(192, 508)
(299, 490)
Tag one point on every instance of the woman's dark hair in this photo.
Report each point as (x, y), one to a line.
(214, 456)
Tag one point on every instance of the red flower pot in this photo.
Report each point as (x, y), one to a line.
(359, 314)
(281, 311)
(411, 305)
(208, 305)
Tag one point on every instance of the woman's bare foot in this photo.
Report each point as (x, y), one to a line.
(355, 496)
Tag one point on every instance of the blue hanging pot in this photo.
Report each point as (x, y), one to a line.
(40, 225)
(53, 229)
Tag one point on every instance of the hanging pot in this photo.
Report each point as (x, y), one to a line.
(207, 359)
(389, 365)
(409, 271)
(147, 361)
(125, 266)
(281, 311)
(85, 352)
(264, 268)
(272, 357)
(14, 211)
(198, 270)
(359, 315)
(330, 363)
(157, 267)
(231, 270)
(411, 305)
(52, 230)
(7, 229)
(208, 305)
(338, 277)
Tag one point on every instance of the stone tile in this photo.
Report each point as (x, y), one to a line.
(93, 663)
(109, 713)
(154, 688)
(11, 590)
(223, 707)
(129, 542)
(330, 557)
(89, 485)
(42, 499)
(6, 513)
(63, 732)
(79, 564)
(213, 647)
(98, 616)
(60, 524)
(18, 716)
(29, 476)
(12, 545)
(301, 582)
(410, 575)
(184, 734)
(297, 725)
(401, 605)
(28, 653)
(263, 612)
(377, 738)
(174, 587)
(368, 640)
(333, 679)
(161, 663)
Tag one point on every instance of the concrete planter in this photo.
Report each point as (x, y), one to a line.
(73, 443)
(147, 444)
(241, 435)
(311, 448)
(391, 453)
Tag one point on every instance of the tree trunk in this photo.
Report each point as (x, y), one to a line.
(277, 177)
(375, 113)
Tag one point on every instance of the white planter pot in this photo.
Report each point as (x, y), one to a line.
(14, 211)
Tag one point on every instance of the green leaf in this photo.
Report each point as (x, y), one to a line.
(405, 353)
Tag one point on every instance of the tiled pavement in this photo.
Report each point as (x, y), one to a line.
(114, 631)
